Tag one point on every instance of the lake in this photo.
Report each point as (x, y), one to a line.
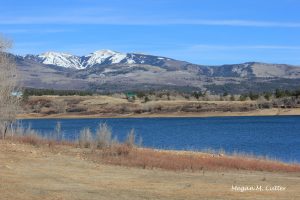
(276, 137)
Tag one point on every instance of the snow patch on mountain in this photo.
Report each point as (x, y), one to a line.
(108, 57)
(117, 58)
(130, 61)
(97, 58)
(61, 59)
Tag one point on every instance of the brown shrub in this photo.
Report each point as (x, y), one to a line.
(41, 102)
(76, 109)
(85, 139)
(48, 111)
(149, 158)
(31, 139)
(123, 150)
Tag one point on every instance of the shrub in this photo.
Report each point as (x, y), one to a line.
(130, 140)
(76, 109)
(122, 150)
(243, 97)
(232, 98)
(57, 132)
(103, 136)
(32, 139)
(85, 139)
(146, 99)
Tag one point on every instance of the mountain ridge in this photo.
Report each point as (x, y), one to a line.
(107, 53)
(98, 57)
(107, 70)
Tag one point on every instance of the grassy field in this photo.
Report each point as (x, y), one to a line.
(67, 172)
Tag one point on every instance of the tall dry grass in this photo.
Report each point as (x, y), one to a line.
(103, 136)
(85, 138)
(154, 159)
(27, 135)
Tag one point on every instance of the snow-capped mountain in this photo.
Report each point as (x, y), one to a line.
(100, 57)
(60, 59)
(97, 58)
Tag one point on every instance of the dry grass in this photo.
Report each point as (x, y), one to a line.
(30, 139)
(49, 105)
(38, 141)
(124, 155)
(132, 156)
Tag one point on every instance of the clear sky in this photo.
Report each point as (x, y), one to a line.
(199, 31)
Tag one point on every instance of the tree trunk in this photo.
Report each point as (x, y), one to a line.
(5, 130)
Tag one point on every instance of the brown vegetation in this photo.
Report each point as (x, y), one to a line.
(109, 151)
(125, 155)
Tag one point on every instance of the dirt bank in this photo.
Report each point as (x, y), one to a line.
(260, 112)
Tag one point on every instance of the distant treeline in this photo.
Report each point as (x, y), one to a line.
(278, 93)
(40, 92)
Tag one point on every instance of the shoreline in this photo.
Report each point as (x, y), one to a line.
(261, 112)
(41, 143)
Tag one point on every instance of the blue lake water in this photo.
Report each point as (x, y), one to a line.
(276, 137)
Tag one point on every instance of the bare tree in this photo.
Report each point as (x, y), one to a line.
(9, 100)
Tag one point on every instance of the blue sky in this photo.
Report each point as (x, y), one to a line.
(199, 31)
